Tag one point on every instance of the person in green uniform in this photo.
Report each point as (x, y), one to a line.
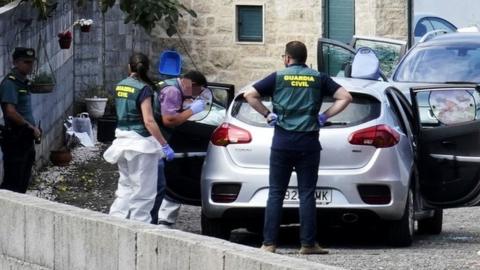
(20, 131)
(138, 145)
(297, 93)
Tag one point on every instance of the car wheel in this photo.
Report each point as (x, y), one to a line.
(431, 225)
(400, 232)
(215, 227)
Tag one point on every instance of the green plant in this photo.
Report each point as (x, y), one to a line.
(43, 78)
(94, 90)
(145, 13)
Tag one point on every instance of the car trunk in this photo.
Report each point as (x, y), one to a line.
(337, 152)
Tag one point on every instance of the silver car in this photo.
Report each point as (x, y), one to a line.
(395, 156)
(399, 154)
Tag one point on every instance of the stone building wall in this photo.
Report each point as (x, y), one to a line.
(19, 28)
(381, 18)
(210, 38)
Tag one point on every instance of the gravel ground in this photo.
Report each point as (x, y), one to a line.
(89, 182)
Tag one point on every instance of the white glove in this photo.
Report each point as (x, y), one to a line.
(197, 106)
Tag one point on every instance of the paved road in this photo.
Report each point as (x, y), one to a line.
(456, 248)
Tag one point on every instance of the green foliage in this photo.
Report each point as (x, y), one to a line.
(145, 13)
(43, 78)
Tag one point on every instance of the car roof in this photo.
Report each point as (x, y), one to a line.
(452, 39)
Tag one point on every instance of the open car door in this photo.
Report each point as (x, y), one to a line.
(190, 143)
(388, 51)
(335, 58)
(448, 144)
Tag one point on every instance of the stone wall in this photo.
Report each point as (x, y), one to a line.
(19, 27)
(101, 55)
(210, 38)
(381, 18)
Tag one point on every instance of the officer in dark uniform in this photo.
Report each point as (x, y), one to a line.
(297, 93)
(20, 131)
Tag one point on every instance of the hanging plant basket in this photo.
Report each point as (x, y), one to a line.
(43, 80)
(64, 43)
(65, 39)
(85, 28)
(42, 88)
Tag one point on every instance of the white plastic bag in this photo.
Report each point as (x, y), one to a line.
(81, 127)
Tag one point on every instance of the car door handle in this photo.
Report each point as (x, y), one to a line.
(448, 144)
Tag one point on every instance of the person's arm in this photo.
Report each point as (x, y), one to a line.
(149, 121)
(12, 115)
(342, 99)
(254, 93)
(254, 99)
(173, 120)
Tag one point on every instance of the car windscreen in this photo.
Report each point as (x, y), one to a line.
(363, 108)
(441, 64)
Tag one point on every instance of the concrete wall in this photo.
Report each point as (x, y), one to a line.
(210, 38)
(381, 18)
(19, 27)
(37, 234)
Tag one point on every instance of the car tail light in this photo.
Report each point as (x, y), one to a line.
(375, 194)
(380, 136)
(225, 193)
(227, 134)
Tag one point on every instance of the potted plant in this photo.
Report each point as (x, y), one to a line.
(85, 24)
(65, 39)
(43, 82)
(96, 100)
(63, 155)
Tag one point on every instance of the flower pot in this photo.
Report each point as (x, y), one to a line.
(42, 88)
(60, 157)
(85, 28)
(65, 43)
(96, 106)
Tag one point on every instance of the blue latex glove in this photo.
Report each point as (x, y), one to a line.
(197, 106)
(322, 119)
(272, 119)
(168, 151)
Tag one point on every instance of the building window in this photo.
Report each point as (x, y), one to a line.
(250, 23)
(339, 16)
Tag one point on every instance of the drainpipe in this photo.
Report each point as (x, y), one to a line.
(103, 51)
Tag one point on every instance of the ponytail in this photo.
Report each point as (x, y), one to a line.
(140, 64)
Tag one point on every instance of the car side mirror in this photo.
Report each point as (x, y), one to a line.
(365, 65)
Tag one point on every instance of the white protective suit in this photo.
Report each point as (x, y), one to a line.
(137, 159)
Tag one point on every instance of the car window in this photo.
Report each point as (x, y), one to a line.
(438, 23)
(423, 26)
(362, 109)
(388, 53)
(440, 64)
(448, 107)
(336, 59)
(216, 100)
(396, 113)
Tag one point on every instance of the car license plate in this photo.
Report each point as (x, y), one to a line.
(321, 195)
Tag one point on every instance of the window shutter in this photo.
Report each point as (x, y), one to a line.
(250, 23)
(340, 24)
